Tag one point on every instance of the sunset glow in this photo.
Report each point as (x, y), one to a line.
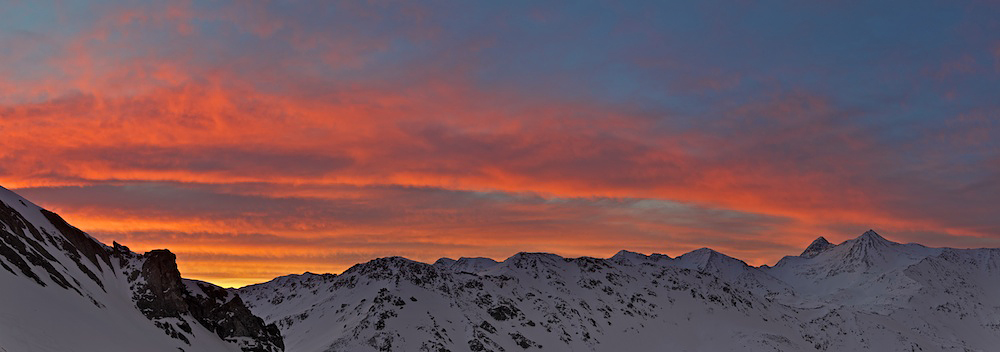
(261, 139)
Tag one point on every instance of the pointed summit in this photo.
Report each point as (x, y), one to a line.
(873, 238)
(867, 250)
(871, 233)
(816, 247)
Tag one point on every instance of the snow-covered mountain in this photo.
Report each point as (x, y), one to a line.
(63, 291)
(866, 294)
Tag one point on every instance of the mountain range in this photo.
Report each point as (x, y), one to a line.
(62, 290)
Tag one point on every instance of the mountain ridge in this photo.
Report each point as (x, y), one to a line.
(72, 292)
(866, 294)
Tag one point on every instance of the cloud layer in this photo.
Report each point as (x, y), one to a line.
(258, 139)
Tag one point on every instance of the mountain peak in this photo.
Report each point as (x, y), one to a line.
(628, 254)
(444, 262)
(816, 247)
(873, 237)
(705, 258)
(704, 251)
(865, 251)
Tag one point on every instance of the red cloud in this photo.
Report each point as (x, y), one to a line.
(338, 153)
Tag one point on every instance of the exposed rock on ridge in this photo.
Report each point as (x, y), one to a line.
(816, 247)
(161, 293)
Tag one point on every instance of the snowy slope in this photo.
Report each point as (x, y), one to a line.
(61, 290)
(865, 270)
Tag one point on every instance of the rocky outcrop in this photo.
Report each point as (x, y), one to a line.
(39, 245)
(227, 315)
(161, 293)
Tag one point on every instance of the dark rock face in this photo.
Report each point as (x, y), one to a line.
(164, 292)
(21, 244)
(233, 318)
(81, 243)
(164, 295)
(816, 247)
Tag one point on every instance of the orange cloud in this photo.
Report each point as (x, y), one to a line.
(337, 141)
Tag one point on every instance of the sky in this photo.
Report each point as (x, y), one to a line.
(256, 139)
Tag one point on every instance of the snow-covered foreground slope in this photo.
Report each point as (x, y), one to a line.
(61, 290)
(866, 294)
